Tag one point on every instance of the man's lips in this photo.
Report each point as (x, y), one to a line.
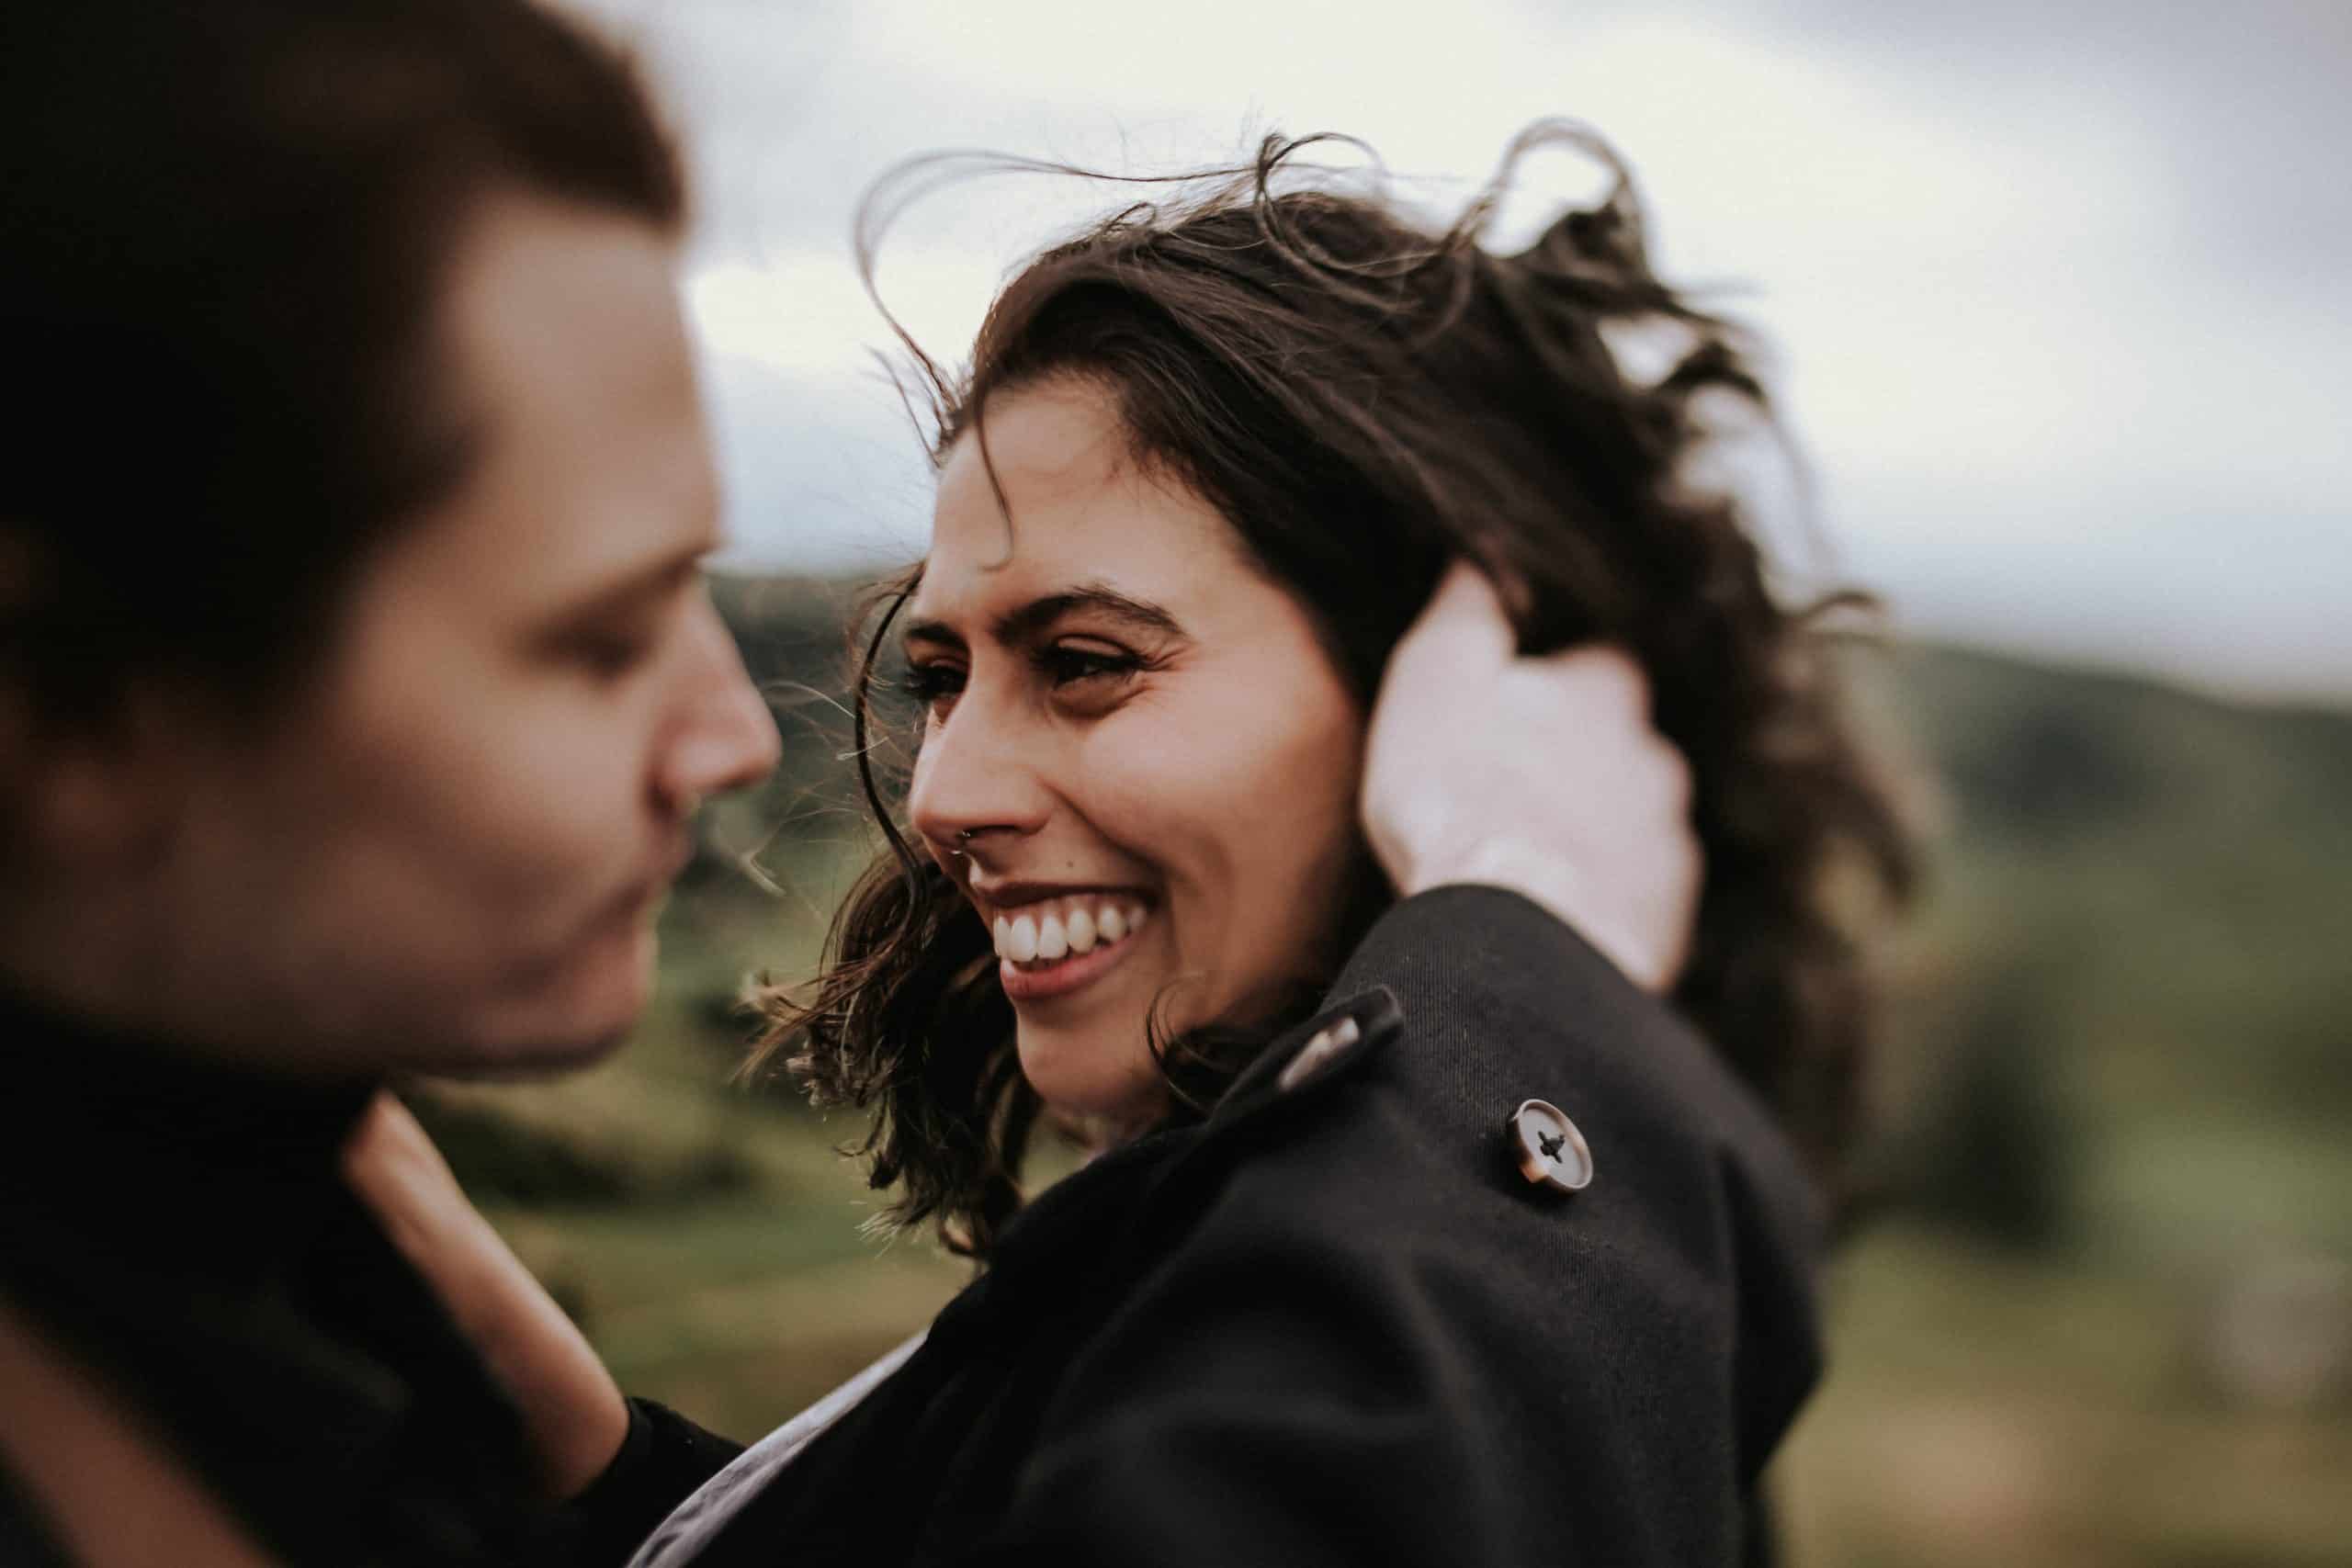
(650, 890)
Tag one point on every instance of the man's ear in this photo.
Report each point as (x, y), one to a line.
(15, 738)
(90, 792)
(90, 781)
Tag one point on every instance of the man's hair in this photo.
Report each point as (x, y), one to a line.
(223, 229)
(1365, 396)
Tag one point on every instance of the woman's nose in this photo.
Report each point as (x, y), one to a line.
(725, 738)
(974, 774)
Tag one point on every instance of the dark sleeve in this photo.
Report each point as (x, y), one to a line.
(25, 1538)
(661, 1462)
(1376, 1343)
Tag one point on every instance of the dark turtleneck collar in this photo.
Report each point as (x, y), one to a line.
(216, 1167)
(182, 1227)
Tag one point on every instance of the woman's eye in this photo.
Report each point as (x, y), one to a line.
(932, 684)
(1078, 666)
(1081, 672)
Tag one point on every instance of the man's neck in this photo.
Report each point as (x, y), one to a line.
(111, 974)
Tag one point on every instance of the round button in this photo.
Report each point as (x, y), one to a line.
(1551, 1151)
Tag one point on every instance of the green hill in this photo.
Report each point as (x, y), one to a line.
(2142, 893)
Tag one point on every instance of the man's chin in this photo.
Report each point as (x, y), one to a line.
(523, 1061)
(546, 1035)
(551, 1040)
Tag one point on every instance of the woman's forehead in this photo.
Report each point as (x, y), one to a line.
(1068, 506)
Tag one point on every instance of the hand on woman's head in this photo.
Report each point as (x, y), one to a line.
(1541, 774)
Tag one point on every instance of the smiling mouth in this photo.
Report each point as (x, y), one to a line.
(1052, 931)
(1057, 945)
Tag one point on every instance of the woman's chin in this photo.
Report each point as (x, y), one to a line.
(1091, 1081)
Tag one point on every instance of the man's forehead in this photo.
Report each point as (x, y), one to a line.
(523, 552)
(565, 343)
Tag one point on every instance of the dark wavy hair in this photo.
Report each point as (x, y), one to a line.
(1366, 398)
(225, 232)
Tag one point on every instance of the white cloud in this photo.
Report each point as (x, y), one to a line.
(2038, 382)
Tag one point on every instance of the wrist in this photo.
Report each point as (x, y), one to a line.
(1504, 861)
(577, 1417)
(1549, 881)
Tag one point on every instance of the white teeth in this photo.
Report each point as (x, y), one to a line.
(1057, 933)
(1052, 940)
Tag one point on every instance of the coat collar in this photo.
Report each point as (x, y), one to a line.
(122, 1139)
(1305, 1061)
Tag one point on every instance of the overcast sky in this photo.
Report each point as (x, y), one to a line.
(2058, 291)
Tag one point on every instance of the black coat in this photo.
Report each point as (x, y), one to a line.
(182, 1230)
(1335, 1324)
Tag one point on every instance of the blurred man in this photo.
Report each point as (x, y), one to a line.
(356, 682)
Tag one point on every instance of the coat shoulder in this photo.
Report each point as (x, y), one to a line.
(1476, 1045)
(1492, 1126)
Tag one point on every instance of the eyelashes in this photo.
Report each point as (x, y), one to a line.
(1072, 666)
(610, 657)
(1081, 671)
(928, 683)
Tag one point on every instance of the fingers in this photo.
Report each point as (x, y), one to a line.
(388, 1136)
(1464, 627)
(1603, 679)
(1608, 687)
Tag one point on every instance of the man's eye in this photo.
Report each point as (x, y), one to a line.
(610, 656)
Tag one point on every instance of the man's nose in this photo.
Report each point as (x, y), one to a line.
(727, 738)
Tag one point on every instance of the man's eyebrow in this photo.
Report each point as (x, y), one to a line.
(1025, 623)
(657, 576)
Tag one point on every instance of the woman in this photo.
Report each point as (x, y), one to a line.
(1416, 1231)
(1324, 1294)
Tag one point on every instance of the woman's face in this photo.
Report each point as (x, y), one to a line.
(1136, 741)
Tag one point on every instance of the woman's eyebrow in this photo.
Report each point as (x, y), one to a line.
(1027, 622)
(1137, 614)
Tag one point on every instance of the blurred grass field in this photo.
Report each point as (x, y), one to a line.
(2113, 1107)
(1983, 1408)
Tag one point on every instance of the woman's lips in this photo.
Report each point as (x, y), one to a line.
(1053, 947)
(1035, 982)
